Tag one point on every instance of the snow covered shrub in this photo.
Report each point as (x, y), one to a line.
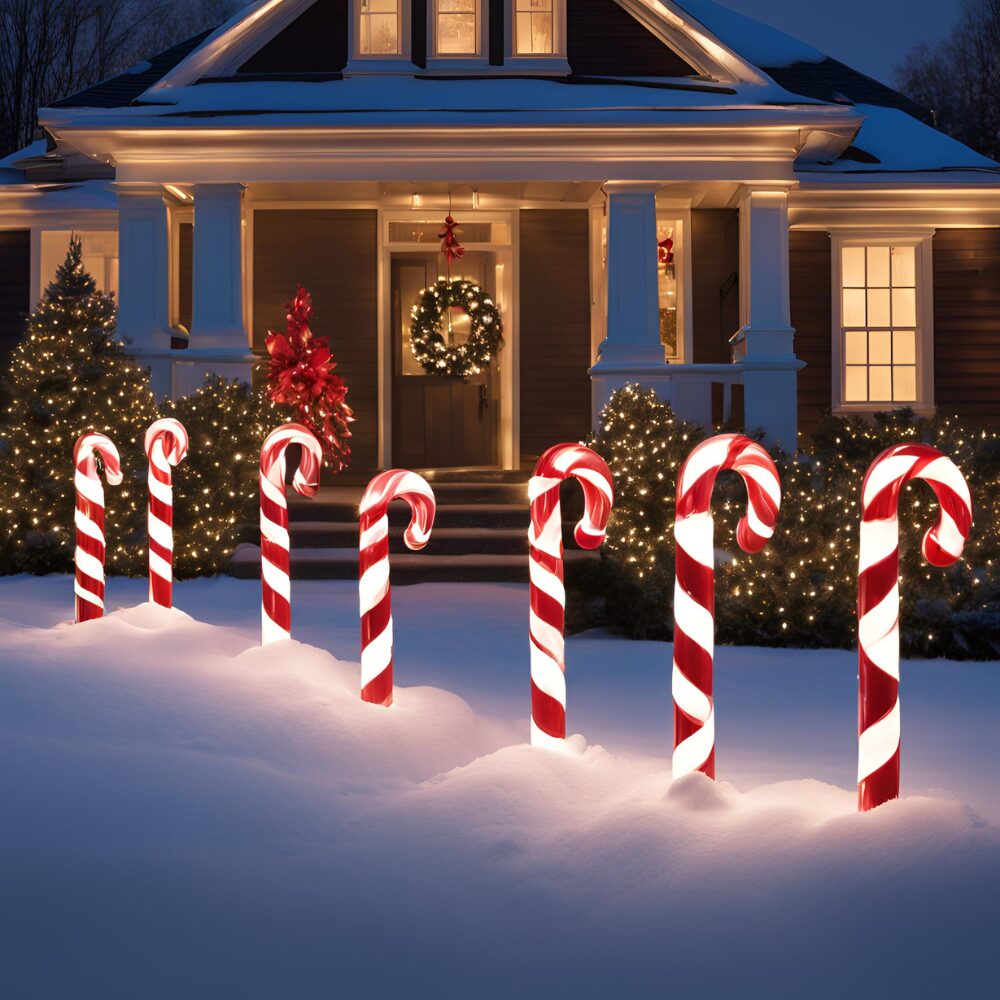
(801, 590)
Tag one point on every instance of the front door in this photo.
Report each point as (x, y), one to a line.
(439, 421)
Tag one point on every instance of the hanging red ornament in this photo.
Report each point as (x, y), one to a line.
(300, 375)
(667, 255)
(450, 247)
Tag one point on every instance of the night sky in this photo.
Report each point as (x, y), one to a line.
(870, 35)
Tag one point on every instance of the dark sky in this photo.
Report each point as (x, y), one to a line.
(870, 35)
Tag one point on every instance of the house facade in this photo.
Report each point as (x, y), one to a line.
(652, 191)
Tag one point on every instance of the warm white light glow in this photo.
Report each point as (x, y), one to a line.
(534, 27)
(457, 27)
(378, 28)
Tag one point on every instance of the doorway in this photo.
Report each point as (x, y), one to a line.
(440, 422)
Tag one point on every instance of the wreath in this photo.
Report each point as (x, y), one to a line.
(427, 341)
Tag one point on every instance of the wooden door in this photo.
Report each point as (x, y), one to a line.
(438, 421)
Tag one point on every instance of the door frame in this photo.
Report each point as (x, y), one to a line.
(506, 255)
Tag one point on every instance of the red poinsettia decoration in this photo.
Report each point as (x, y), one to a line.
(301, 375)
(667, 254)
(450, 246)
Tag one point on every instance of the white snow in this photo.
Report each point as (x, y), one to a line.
(186, 814)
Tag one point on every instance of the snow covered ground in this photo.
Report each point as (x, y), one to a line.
(186, 815)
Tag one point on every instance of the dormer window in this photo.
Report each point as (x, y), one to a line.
(534, 27)
(457, 27)
(380, 28)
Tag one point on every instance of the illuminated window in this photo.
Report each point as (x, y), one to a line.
(667, 288)
(457, 27)
(534, 27)
(379, 24)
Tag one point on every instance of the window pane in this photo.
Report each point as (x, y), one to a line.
(856, 347)
(880, 347)
(856, 384)
(904, 307)
(878, 267)
(534, 27)
(880, 384)
(379, 28)
(904, 266)
(854, 267)
(904, 347)
(878, 307)
(854, 307)
(904, 384)
(456, 27)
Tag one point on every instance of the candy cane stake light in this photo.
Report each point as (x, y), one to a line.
(275, 585)
(548, 594)
(694, 589)
(878, 598)
(166, 445)
(89, 519)
(373, 568)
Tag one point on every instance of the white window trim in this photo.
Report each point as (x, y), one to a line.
(922, 240)
(460, 61)
(546, 64)
(359, 63)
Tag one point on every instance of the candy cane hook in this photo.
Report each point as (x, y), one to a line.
(166, 445)
(373, 581)
(275, 585)
(548, 595)
(89, 518)
(694, 589)
(878, 598)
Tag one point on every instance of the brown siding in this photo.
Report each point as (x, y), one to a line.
(333, 254)
(603, 38)
(185, 274)
(15, 280)
(315, 42)
(967, 324)
(715, 258)
(810, 277)
(554, 328)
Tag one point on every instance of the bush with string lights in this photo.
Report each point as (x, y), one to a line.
(801, 590)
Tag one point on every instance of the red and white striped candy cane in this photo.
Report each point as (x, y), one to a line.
(878, 598)
(694, 588)
(548, 595)
(373, 570)
(275, 585)
(89, 519)
(166, 445)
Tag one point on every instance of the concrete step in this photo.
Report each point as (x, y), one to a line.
(445, 541)
(477, 515)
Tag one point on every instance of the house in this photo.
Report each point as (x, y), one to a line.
(660, 191)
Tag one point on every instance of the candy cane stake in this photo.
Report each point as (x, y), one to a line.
(276, 608)
(548, 595)
(694, 589)
(373, 583)
(166, 445)
(89, 518)
(878, 599)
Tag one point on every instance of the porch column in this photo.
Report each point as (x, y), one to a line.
(770, 368)
(631, 351)
(144, 277)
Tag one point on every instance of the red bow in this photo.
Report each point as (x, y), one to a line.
(666, 251)
(450, 246)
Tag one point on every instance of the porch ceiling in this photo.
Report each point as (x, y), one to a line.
(430, 192)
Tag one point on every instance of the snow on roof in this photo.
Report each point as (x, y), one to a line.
(755, 41)
(36, 148)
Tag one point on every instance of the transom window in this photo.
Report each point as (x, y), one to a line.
(379, 24)
(880, 332)
(457, 27)
(534, 27)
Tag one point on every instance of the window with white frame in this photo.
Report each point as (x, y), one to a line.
(882, 335)
(535, 27)
(457, 27)
(380, 28)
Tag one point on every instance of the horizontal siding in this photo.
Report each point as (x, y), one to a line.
(332, 253)
(554, 328)
(315, 42)
(715, 257)
(812, 318)
(185, 274)
(967, 324)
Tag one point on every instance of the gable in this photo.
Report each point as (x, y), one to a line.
(315, 42)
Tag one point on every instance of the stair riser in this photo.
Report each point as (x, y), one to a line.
(399, 516)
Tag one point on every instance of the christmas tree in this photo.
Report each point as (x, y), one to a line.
(69, 375)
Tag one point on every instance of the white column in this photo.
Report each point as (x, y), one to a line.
(631, 351)
(144, 268)
(770, 368)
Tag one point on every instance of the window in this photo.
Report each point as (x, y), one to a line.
(100, 256)
(379, 28)
(534, 27)
(667, 291)
(457, 27)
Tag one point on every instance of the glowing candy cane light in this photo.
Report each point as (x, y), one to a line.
(548, 594)
(89, 518)
(275, 585)
(373, 583)
(694, 589)
(166, 445)
(878, 598)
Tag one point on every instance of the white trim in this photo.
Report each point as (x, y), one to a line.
(358, 63)
(542, 63)
(458, 62)
(922, 239)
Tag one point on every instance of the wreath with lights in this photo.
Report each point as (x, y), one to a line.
(429, 321)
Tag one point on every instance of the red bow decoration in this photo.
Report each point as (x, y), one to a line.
(300, 375)
(450, 246)
(666, 252)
